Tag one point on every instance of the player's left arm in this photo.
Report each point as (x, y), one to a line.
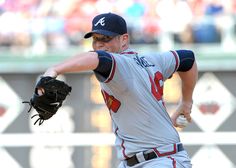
(188, 73)
(81, 62)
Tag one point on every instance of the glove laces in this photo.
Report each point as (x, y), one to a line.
(40, 119)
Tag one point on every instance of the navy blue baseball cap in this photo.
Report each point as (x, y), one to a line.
(108, 24)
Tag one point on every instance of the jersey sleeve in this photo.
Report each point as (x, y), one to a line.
(120, 69)
(168, 62)
(121, 75)
(112, 67)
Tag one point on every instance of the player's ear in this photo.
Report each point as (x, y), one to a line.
(125, 39)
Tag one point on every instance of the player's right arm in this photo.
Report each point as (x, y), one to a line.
(188, 74)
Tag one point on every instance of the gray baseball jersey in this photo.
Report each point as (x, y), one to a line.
(133, 94)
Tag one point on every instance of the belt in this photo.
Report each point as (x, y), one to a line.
(152, 155)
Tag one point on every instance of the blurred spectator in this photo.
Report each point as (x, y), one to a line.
(44, 24)
(14, 30)
(197, 7)
(19, 5)
(175, 18)
(205, 30)
(77, 20)
(135, 10)
(214, 7)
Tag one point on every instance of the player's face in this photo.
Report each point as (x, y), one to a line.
(108, 43)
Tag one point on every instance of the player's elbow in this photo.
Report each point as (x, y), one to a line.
(187, 60)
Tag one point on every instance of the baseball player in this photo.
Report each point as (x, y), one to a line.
(132, 87)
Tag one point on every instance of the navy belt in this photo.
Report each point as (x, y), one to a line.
(154, 154)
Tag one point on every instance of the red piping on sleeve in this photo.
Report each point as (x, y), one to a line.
(176, 60)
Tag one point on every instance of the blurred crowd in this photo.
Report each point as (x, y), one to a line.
(62, 23)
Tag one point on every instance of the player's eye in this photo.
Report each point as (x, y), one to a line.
(104, 39)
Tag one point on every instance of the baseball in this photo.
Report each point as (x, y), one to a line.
(181, 121)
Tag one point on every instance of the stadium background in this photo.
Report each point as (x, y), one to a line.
(35, 34)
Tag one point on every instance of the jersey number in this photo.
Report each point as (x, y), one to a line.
(157, 89)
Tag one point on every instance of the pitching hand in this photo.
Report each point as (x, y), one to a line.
(184, 108)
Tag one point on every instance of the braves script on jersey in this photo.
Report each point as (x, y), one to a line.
(133, 94)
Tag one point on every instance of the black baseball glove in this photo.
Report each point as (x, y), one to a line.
(50, 98)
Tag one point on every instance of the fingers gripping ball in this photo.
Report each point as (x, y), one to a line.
(48, 97)
(181, 121)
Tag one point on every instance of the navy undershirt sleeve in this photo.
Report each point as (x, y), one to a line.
(186, 59)
(104, 65)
